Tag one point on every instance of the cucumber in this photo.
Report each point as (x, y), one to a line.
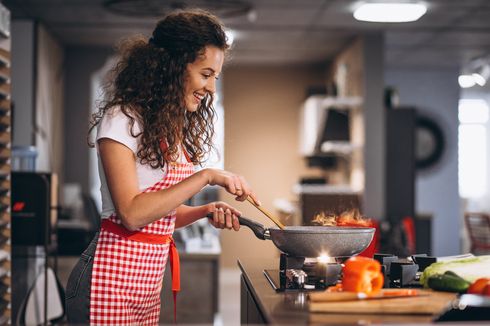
(448, 282)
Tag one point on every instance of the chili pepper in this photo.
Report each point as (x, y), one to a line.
(362, 274)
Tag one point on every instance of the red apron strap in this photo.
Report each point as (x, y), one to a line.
(164, 147)
(175, 267)
(120, 230)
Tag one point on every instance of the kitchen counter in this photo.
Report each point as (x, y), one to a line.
(261, 304)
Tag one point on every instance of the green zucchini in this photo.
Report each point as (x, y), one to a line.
(448, 282)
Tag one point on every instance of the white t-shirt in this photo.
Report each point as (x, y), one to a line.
(115, 125)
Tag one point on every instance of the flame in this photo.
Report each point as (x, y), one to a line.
(346, 218)
(323, 258)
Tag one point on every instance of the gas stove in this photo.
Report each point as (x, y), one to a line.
(316, 274)
(303, 274)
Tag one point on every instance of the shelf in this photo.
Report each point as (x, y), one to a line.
(4, 106)
(4, 58)
(5, 185)
(325, 102)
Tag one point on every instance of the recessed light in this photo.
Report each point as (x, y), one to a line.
(230, 36)
(466, 81)
(390, 12)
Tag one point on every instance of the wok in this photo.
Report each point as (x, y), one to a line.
(314, 241)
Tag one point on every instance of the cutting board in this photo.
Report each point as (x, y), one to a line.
(428, 303)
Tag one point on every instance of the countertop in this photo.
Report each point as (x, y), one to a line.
(292, 307)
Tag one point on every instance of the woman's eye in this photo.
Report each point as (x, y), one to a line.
(206, 75)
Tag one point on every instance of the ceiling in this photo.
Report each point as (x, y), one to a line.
(288, 31)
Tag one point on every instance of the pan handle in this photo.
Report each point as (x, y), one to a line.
(258, 229)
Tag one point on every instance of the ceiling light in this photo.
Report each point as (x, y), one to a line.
(482, 74)
(479, 79)
(466, 81)
(230, 36)
(390, 12)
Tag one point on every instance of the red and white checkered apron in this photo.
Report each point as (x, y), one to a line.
(127, 275)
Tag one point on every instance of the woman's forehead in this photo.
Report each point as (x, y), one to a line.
(212, 57)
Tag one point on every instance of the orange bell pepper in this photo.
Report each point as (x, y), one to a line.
(362, 274)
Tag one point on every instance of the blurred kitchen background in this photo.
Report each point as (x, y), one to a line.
(319, 111)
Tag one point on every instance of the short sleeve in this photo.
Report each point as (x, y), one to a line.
(116, 125)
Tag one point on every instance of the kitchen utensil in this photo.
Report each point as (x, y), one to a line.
(353, 296)
(314, 241)
(266, 213)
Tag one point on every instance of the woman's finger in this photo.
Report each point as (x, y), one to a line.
(239, 187)
(245, 189)
(221, 218)
(230, 185)
(228, 219)
(215, 216)
(236, 223)
(255, 199)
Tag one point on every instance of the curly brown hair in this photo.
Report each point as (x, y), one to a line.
(148, 85)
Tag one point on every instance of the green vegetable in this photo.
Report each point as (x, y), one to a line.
(469, 269)
(449, 282)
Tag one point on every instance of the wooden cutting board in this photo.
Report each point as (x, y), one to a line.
(428, 303)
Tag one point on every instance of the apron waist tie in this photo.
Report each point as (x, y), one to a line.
(152, 238)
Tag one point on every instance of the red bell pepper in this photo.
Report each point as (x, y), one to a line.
(362, 274)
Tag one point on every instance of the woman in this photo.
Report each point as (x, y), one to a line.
(155, 127)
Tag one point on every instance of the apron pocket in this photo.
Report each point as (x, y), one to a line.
(77, 275)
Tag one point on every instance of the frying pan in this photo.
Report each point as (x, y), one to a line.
(314, 241)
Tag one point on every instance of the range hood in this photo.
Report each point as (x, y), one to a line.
(325, 126)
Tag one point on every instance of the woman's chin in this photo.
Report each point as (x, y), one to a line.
(192, 108)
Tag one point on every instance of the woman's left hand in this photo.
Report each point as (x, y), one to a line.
(224, 216)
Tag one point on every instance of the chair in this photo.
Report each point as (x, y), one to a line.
(31, 311)
(478, 226)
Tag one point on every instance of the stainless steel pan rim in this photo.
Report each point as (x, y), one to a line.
(323, 229)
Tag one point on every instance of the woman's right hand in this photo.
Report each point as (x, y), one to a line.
(233, 183)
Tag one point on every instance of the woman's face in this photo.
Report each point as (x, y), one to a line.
(201, 76)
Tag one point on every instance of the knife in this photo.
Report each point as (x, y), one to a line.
(352, 296)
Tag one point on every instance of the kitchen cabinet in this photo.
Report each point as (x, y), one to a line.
(314, 118)
(331, 138)
(197, 302)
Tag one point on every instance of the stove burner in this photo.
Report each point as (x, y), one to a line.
(400, 272)
(298, 273)
(305, 274)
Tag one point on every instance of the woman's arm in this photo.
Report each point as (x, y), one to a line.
(224, 215)
(138, 209)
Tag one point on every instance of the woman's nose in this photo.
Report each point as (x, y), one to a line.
(211, 85)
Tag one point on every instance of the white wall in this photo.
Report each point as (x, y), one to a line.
(482, 203)
(436, 93)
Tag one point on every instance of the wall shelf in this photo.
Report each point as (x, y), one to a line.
(5, 186)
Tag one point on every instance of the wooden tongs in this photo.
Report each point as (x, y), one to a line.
(266, 213)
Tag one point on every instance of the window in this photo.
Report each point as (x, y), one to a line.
(472, 145)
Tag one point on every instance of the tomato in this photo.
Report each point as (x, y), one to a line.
(479, 285)
(486, 289)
